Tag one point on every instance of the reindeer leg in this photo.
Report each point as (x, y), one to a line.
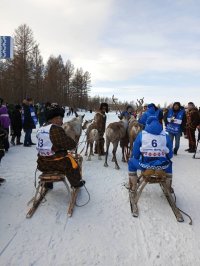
(92, 151)
(123, 158)
(86, 152)
(114, 155)
(98, 148)
(106, 157)
(89, 157)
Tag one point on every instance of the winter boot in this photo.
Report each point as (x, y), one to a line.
(13, 140)
(18, 141)
(169, 183)
(133, 181)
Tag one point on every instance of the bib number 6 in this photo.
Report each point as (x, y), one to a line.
(154, 143)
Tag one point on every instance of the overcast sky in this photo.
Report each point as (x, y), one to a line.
(132, 48)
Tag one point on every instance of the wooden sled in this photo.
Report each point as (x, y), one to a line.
(153, 177)
(41, 191)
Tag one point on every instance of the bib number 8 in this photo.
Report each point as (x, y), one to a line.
(154, 143)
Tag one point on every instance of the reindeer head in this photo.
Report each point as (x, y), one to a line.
(86, 123)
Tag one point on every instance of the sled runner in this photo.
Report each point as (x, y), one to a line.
(153, 177)
(42, 190)
(51, 177)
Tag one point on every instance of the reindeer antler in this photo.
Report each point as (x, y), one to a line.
(115, 102)
(139, 103)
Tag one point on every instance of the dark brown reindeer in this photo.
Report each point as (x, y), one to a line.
(114, 133)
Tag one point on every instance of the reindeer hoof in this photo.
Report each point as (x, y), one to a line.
(117, 167)
(123, 160)
(86, 154)
(89, 159)
(105, 164)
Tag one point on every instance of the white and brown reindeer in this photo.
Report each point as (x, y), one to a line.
(92, 135)
(73, 128)
(114, 133)
(134, 127)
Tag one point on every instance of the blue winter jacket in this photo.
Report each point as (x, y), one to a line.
(153, 127)
(175, 121)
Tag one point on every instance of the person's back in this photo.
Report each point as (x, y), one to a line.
(53, 145)
(149, 112)
(152, 150)
(152, 145)
(152, 110)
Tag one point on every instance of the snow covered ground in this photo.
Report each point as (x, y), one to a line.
(103, 232)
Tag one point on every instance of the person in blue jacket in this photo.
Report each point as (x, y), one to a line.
(175, 123)
(152, 110)
(152, 150)
(128, 113)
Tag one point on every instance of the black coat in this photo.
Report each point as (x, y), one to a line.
(3, 135)
(16, 122)
(28, 120)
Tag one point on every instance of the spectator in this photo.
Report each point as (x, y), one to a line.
(5, 123)
(29, 121)
(193, 120)
(175, 124)
(3, 135)
(16, 125)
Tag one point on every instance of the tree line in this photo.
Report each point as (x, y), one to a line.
(27, 76)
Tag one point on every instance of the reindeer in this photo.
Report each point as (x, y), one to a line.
(134, 127)
(114, 133)
(92, 135)
(73, 128)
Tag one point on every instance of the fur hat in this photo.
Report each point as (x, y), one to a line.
(104, 105)
(54, 110)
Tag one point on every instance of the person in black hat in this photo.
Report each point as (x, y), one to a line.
(193, 120)
(100, 120)
(53, 145)
(16, 125)
(175, 122)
